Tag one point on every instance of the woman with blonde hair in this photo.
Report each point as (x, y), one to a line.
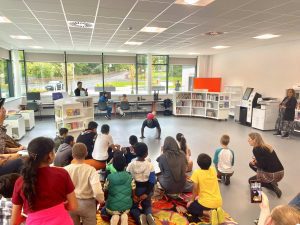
(265, 163)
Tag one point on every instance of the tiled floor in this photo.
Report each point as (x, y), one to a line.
(203, 136)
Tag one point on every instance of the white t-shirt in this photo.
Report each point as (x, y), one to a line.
(225, 161)
(101, 145)
(140, 170)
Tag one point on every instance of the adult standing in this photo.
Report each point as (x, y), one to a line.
(80, 91)
(266, 164)
(173, 164)
(286, 116)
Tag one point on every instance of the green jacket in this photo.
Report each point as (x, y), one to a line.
(119, 191)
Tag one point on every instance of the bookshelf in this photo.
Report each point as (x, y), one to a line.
(236, 94)
(74, 114)
(213, 105)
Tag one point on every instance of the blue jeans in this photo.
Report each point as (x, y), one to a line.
(146, 204)
(295, 201)
(109, 109)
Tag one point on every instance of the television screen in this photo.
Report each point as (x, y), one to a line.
(33, 96)
(247, 93)
(108, 94)
(57, 95)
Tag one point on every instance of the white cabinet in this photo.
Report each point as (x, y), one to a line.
(213, 105)
(236, 94)
(265, 119)
(17, 124)
(29, 118)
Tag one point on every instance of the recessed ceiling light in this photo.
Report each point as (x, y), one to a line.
(133, 43)
(221, 47)
(153, 29)
(3, 19)
(214, 33)
(79, 24)
(194, 53)
(194, 2)
(122, 50)
(36, 47)
(266, 36)
(21, 37)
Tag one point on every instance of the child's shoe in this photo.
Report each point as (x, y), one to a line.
(214, 217)
(150, 220)
(143, 219)
(220, 214)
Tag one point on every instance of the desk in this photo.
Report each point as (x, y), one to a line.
(17, 124)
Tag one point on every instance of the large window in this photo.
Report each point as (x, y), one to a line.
(4, 83)
(179, 77)
(159, 73)
(142, 74)
(45, 77)
(90, 74)
(120, 78)
(22, 77)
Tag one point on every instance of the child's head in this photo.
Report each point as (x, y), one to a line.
(69, 140)
(204, 161)
(182, 141)
(133, 140)
(93, 126)
(150, 116)
(105, 129)
(141, 150)
(225, 139)
(63, 132)
(79, 151)
(119, 162)
(7, 183)
(41, 152)
(283, 215)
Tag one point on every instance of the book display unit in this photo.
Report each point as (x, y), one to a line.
(74, 114)
(213, 105)
(236, 94)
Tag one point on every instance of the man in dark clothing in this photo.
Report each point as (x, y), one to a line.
(151, 122)
(80, 91)
(63, 155)
(88, 138)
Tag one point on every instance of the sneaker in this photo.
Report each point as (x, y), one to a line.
(286, 135)
(227, 180)
(255, 221)
(123, 115)
(277, 133)
(214, 217)
(276, 189)
(150, 219)
(220, 214)
(143, 219)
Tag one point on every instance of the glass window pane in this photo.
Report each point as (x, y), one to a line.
(179, 76)
(142, 71)
(119, 78)
(4, 79)
(142, 59)
(21, 55)
(23, 80)
(45, 77)
(159, 59)
(90, 74)
(159, 78)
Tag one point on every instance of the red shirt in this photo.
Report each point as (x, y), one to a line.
(53, 185)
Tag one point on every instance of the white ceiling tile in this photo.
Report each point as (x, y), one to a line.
(81, 18)
(48, 6)
(49, 15)
(135, 25)
(259, 5)
(109, 20)
(177, 12)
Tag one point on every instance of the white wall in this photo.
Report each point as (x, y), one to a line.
(269, 69)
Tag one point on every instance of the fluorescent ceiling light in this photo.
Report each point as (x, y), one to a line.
(194, 53)
(221, 47)
(36, 47)
(21, 37)
(122, 50)
(3, 19)
(79, 24)
(266, 36)
(133, 43)
(153, 29)
(194, 2)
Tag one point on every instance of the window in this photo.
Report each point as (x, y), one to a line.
(45, 77)
(90, 74)
(22, 79)
(142, 74)
(4, 84)
(179, 76)
(159, 73)
(119, 78)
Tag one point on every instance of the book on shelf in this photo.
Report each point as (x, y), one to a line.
(74, 125)
(212, 97)
(198, 104)
(73, 112)
(211, 113)
(183, 96)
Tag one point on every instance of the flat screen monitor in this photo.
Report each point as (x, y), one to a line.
(107, 92)
(33, 96)
(247, 93)
(57, 95)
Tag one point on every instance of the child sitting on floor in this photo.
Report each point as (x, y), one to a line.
(119, 188)
(129, 152)
(224, 160)
(59, 139)
(143, 173)
(206, 188)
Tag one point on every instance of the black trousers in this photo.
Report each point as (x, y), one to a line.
(12, 166)
(196, 209)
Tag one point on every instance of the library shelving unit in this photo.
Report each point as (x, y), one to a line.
(236, 94)
(74, 114)
(214, 105)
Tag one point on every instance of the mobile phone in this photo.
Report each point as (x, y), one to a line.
(255, 192)
(2, 100)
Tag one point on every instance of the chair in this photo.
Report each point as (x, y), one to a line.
(125, 107)
(35, 107)
(102, 107)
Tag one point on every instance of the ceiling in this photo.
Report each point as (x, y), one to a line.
(119, 21)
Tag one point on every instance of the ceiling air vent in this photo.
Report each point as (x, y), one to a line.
(79, 24)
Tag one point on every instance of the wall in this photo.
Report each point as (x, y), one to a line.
(269, 69)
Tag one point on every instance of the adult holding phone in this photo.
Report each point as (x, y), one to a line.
(266, 164)
(286, 116)
(80, 91)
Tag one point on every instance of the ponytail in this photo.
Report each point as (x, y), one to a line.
(182, 142)
(38, 150)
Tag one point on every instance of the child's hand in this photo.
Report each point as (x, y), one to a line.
(265, 201)
(143, 197)
(189, 203)
(136, 199)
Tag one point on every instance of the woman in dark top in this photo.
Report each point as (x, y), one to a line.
(286, 116)
(266, 164)
(173, 164)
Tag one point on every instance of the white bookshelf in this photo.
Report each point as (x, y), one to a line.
(236, 94)
(213, 105)
(74, 114)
